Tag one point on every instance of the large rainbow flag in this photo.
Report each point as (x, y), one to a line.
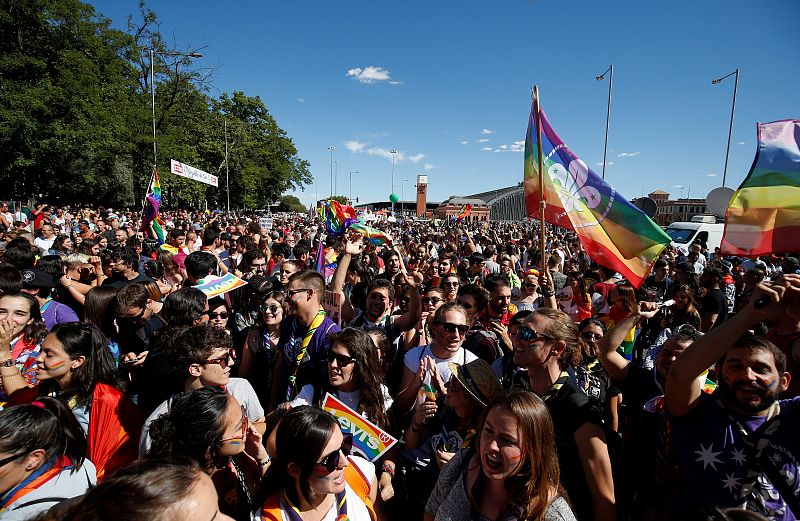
(764, 213)
(369, 440)
(613, 232)
(152, 204)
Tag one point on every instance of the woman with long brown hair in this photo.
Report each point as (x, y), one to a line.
(511, 472)
(622, 300)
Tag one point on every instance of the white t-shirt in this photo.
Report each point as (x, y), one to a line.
(239, 388)
(44, 244)
(351, 399)
(415, 355)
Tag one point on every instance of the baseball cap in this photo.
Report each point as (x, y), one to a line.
(36, 279)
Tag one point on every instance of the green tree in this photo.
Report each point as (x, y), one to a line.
(290, 203)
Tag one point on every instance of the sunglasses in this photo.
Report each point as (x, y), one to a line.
(221, 314)
(465, 305)
(293, 292)
(331, 462)
(9, 459)
(245, 423)
(431, 300)
(341, 360)
(272, 308)
(136, 318)
(449, 327)
(588, 335)
(223, 361)
(529, 285)
(531, 335)
(450, 284)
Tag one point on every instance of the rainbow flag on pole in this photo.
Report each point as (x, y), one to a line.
(152, 204)
(613, 232)
(764, 213)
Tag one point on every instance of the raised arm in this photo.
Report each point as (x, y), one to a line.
(614, 363)
(681, 395)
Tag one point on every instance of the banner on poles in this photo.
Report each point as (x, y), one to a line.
(190, 172)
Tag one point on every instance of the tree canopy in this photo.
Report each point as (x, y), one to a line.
(76, 120)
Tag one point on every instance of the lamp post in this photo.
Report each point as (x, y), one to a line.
(391, 191)
(402, 195)
(351, 184)
(331, 148)
(608, 112)
(153, 52)
(730, 127)
(336, 178)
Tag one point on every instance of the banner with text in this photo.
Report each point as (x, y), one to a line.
(368, 439)
(190, 172)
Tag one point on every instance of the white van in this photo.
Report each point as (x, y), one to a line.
(704, 228)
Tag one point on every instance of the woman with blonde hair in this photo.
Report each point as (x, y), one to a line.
(511, 471)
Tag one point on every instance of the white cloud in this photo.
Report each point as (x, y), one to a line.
(428, 166)
(487, 131)
(484, 140)
(712, 175)
(370, 74)
(518, 146)
(399, 156)
(487, 149)
(741, 142)
(504, 147)
(628, 154)
(416, 158)
(395, 83)
(301, 100)
(601, 163)
(465, 142)
(354, 146)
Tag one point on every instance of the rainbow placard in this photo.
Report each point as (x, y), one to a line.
(369, 440)
(215, 286)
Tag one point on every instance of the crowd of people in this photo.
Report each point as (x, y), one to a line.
(520, 384)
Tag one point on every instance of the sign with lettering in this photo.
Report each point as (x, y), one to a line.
(190, 172)
(369, 440)
(332, 304)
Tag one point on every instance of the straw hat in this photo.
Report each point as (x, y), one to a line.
(478, 380)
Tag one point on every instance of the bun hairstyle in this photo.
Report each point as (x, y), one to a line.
(194, 424)
(47, 424)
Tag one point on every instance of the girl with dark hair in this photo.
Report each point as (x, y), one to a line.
(98, 310)
(185, 307)
(260, 349)
(510, 472)
(590, 374)
(61, 246)
(313, 475)
(22, 312)
(219, 313)
(75, 365)
(42, 456)
(89, 247)
(209, 426)
(622, 300)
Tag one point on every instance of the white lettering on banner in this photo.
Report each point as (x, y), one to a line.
(190, 172)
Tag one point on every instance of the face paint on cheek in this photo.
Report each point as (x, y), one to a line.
(515, 458)
(56, 365)
(772, 383)
(235, 443)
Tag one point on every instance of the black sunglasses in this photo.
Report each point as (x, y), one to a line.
(136, 318)
(9, 459)
(222, 314)
(451, 328)
(430, 300)
(531, 335)
(588, 335)
(331, 461)
(272, 308)
(341, 360)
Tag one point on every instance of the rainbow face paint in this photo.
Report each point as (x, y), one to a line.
(57, 365)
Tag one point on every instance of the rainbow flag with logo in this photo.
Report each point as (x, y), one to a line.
(613, 232)
(764, 213)
(214, 286)
(369, 440)
(152, 204)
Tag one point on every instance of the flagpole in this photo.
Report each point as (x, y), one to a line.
(542, 197)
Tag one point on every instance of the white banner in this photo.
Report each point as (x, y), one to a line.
(190, 172)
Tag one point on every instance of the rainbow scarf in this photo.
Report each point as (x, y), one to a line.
(153, 203)
(39, 477)
(338, 218)
(764, 213)
(613, 232)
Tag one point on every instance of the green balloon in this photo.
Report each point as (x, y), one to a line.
(393, 198)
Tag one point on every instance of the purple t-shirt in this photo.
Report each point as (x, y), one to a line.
(746, 462)
(54, 313)
(313, 362)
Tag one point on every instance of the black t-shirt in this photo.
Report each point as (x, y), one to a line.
(715, 303)
(119, 284)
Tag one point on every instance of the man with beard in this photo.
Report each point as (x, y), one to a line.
(739, 446)
(394, 265)
(498, 313)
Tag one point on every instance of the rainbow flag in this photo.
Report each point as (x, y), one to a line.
(764, 213)
(337, 217)
(152, 204)
(214, 286)
(464, 213)
(368, 439)
(613, 232)
(373, 235)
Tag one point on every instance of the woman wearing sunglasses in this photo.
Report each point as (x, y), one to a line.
(313, 476)
(529, 297)
(218, 313)
(42, 458)
(430, 302)
(260, 345)
(209, 426)
(592, 377)
(547, 344)
(511, 471)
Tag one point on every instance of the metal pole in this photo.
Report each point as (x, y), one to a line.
(331, 148)
(608, 112)
(153, 105)
(351, 184)
(402, 195)
(730, 128)
(542, 197)
(391, 191)
(227, 172)
(336, 178)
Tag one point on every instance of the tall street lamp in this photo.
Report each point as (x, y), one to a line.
(402, 195)
(608, 112)
(351, 184)
(153, 52)
(730, 127)
(391, 191)
(336, 178)
(331, 148)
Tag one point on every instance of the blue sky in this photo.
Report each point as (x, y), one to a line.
(447, 84)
